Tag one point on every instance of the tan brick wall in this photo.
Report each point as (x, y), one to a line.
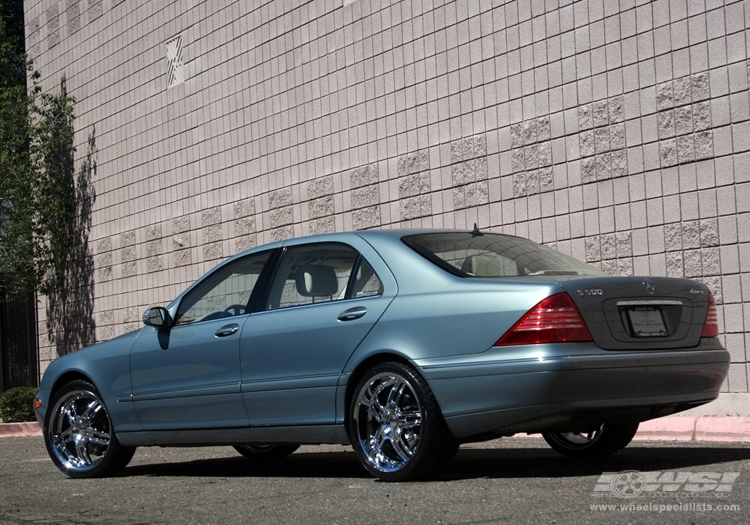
(618, 132)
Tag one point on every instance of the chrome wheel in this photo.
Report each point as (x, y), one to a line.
(79, 433)
(593, 442)
(389, 422)
(396, 426)
(81, 430)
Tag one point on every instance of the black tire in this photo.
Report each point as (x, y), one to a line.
(265, 452)
(79, 435)
(395, 425)
(595, 442)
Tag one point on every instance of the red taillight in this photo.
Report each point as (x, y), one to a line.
(711, 325)
(556, 319)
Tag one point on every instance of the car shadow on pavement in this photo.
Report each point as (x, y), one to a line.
(540, 462)
(299, 465)
(469, 463)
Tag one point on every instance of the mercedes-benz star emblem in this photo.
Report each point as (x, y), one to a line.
(649, 286)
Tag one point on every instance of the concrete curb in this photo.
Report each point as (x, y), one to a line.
(20, 429)
(707, 428)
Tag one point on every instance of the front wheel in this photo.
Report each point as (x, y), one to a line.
(396, 426)
(79, 434)
(595, 442)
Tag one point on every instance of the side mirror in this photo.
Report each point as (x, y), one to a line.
(158, 317)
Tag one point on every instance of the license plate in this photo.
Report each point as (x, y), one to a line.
(647, 322)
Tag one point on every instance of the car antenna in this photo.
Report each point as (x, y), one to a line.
(476, 232)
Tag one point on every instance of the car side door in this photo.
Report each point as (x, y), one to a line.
(322, 302)
(187, 376)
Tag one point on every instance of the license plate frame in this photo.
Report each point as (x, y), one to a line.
(646, 321)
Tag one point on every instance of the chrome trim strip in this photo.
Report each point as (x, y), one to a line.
(619, 358)
(207, 390)
(649, 302)
(289, 383)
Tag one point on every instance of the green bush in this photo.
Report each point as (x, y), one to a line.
(16, 404)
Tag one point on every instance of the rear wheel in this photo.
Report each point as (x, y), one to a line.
(594, 442)
(265, 452)
(396, 426)
(79, 434)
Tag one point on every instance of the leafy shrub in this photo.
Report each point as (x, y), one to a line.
(16, 404)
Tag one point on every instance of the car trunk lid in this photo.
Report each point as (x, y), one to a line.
(640, 313)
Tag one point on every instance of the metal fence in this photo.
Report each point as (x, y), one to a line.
(18, 341)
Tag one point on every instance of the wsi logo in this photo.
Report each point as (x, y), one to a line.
(632, 483)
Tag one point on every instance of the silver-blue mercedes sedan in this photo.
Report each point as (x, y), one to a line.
(402, 343)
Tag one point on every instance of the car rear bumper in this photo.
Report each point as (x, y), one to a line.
(533, 388)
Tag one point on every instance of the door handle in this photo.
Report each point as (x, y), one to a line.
(226, 330)
(352, 313)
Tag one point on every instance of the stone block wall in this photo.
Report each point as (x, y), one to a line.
(617, 132)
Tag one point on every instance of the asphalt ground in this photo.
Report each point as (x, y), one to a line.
(507, 481)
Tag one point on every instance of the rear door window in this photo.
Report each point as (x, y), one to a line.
(321, 273)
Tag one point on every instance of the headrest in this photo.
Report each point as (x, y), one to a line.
(316, 281)
(483, 265)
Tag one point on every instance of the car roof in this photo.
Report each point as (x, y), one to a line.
(390, 234)
(377, 237)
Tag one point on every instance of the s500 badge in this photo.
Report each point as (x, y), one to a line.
(593, 291)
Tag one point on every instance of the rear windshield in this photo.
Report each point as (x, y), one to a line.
(495, 255)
